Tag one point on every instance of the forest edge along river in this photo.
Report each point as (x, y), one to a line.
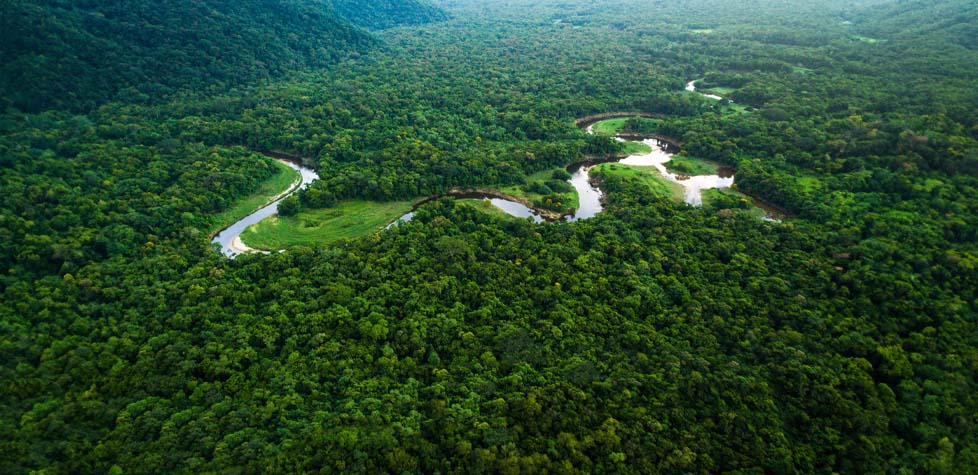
(589, 195)
(230, 237)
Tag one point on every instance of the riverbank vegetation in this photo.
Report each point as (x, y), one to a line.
(283, 180)
(638, 177)
(547, 189)
(656, 337)
(634, 148)
(311, 227)
(686, 165)
(728, 199)
(626, 125)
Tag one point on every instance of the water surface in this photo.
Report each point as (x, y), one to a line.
(229, 238)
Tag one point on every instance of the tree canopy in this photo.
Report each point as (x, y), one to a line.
(656, 337)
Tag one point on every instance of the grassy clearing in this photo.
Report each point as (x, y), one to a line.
(486, 206)
(801, 70)
(734, 108)
(616, 126)
(702, 31)
(562, 199)
(647, 176)
(719, 90)
(691, 166)
(348, 219)
(271, 188)
(635, 148)
(739, 108)
(609, 126)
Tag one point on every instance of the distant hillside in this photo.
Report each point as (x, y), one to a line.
(76, 54)
(953, 20)
(381, 14)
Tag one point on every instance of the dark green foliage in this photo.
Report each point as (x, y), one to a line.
(289, 206)
(561, 175)
(640, 125)
(539, 187)
(653, 338)
(141, 50)
(381, 14)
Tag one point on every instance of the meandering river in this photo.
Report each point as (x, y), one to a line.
(589, 196)
(691, 87)
(230, 237)
(693, 186)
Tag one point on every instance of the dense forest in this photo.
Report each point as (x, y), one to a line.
(78, 54)
(656, 337)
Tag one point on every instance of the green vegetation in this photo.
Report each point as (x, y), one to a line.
(808, 184)
(718, 90)
(609, 126)
(381, 14)
(647, 179)
(655, 337)
(628, 125)
(866, 39)
(271, 188)
(726, 198)
(486, 206)
(546, 189)
(737, 108)
(345, 220)
(137, 51)
(634, 148)
(687, 165)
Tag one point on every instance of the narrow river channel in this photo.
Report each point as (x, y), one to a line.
(230, 237)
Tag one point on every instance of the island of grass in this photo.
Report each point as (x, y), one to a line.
(684, 165)
(609, 126)
(808, 183)
(625, 125)
(347, 219)
(726, 198)
(546, 189)
(285, 178)
(646, 176)
(635, 148)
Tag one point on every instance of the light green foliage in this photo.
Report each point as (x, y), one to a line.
(271, 188)
(347, 219)
(541, 186)
(687, 165)
(635, 148)
(647, 178)
(609, 126)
